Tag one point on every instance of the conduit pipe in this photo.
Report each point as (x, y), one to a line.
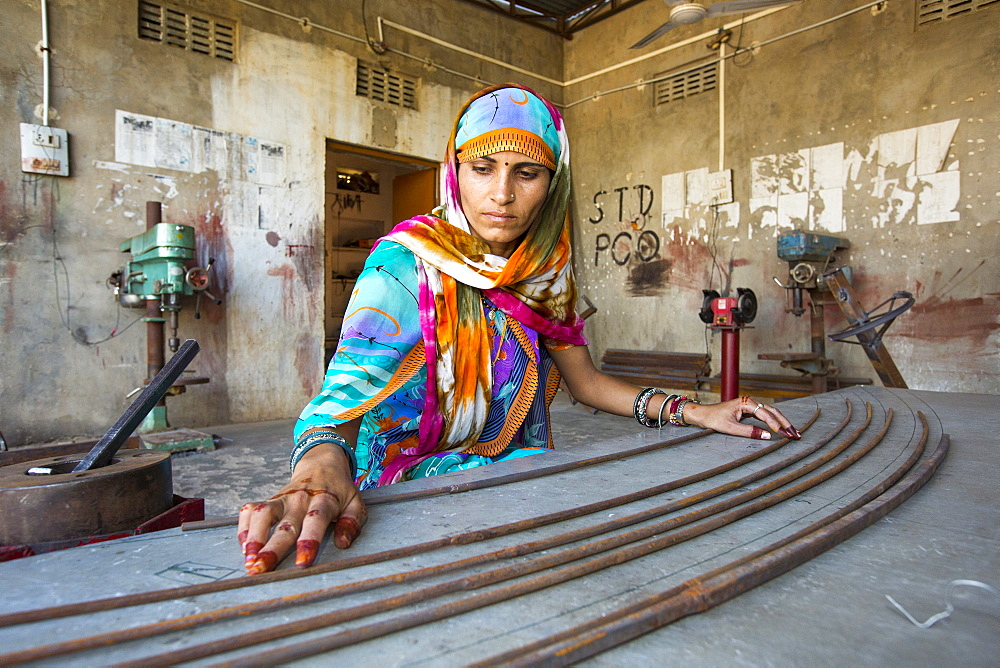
(306, 23)
(303, 21)
(722, 111)
(44, 48)
(464, 51)
(735, 52)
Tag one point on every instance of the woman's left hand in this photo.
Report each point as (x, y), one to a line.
(725, 418)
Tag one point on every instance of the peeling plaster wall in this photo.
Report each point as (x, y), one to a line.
(59, 237)
(864, 128)
(859, 89)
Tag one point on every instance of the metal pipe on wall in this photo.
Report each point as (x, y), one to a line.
(44, 46)
(155, 357)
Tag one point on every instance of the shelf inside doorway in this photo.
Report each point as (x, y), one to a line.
(355, 249)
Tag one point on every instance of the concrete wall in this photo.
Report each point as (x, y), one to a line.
(858, 128)
(842, 95)
(292, 86)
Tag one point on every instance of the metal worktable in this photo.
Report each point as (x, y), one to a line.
(829, 610)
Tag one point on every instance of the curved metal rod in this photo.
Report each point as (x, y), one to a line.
(200, 619)
(143, 598)
(711, 589)
(534, 651)
(498, 575)
(553, 577)
(381, 495)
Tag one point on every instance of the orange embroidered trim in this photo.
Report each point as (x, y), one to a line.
(408, 368)
(552, 386)
(508, 139)
(522, 402)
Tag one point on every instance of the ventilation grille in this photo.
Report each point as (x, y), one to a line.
(384, 86)
(174, 26)
(935, 11)
(687, 84)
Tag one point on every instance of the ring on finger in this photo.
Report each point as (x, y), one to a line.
(759, 406)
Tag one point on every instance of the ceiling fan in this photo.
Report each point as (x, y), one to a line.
(684, 13)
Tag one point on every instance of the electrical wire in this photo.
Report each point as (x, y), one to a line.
(59, 263)
(738, 48)
(713, 248)
(368, 36)
(949, 606)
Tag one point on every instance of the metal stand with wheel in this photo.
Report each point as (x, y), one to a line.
(869, 326)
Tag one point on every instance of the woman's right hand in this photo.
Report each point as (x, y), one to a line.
(320, 492)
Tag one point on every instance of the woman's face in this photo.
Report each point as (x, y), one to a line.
(502, 194)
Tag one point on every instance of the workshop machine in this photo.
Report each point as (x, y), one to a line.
(158, 271)
(77, 498)
(729, 315)
(157, 276)
(815, 268)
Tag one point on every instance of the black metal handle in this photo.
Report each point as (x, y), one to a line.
(114, 438)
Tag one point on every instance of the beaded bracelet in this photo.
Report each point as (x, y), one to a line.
(310, 441)
(640, 400)
(642, 404)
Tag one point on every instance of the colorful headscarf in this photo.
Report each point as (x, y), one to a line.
(535, 285)
(499, 122)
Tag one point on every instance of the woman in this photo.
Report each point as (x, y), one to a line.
(447, 351)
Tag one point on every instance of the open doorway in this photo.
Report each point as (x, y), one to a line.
(367, 192)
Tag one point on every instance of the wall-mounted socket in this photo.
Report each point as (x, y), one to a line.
(44, 150)
(720, 186)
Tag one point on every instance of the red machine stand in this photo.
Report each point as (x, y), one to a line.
(729, 315)
(730, 362)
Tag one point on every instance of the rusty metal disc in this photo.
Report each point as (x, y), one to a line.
(136, 486)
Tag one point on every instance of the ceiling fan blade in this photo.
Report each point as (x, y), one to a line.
(659, 32)
(739, 6)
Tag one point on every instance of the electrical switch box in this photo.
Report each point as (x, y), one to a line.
(720, 186)
(44, 150)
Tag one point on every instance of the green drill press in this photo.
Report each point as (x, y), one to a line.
(157, 276)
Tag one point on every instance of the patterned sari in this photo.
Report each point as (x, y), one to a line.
(439, 350)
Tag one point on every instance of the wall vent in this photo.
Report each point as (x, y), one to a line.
(381, 85)
(197, 32)
(686, 84)
(935, 11)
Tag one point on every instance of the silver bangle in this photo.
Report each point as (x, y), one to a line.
(659, 416)
(680, 412)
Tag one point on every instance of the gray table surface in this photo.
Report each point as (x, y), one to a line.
(832, 610)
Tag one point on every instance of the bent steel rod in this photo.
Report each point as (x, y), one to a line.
(143, 598)
(556, 576)
(500, 574)
(705, 592)
(541, 650)
(200, 619)
(383, 495)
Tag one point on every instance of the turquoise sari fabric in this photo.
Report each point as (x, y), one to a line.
(378, 373)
